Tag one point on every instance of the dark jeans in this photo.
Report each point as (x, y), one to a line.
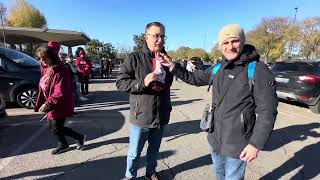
(61, 131)
(84, 80)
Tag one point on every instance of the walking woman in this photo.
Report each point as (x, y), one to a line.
(56, 98)
(84, 66)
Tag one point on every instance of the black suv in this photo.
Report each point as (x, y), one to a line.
(19, 77)
(299, 81)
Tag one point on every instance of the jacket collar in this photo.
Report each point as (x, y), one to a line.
(147, 51)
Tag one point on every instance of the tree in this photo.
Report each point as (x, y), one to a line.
(100, 50)
(172, 54)
(3, 20)
(268, 34)
(310, 35)
(24, 14)
(216, 52)
(139, 42)
(3, 12)
(197, 52)
(292, 38)
(182, 52)
(124, 52)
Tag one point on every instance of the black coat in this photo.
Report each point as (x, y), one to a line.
(243, 117)
(148, 108)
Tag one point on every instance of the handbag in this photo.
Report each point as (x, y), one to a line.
(207, 119)
(206, 123)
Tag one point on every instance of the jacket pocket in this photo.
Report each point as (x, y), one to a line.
(134, 105)
(138, 104)
(247, 123)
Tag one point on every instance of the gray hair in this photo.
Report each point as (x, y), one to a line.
(158, 24)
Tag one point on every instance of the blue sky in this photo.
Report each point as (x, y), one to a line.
(188, 23)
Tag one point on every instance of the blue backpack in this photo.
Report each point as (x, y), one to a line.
(251, 70)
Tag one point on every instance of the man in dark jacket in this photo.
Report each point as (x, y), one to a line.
(245, 117)
(148, 83)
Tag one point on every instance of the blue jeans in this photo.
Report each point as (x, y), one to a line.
(138, 137)
(227, 168)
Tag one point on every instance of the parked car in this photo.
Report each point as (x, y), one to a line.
(2, 107)
(269, 65)
(19, 77)
(299, 81)
(96, 68)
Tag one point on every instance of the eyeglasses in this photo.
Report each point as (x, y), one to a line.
(157, 36)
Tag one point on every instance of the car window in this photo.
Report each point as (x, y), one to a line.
(19, 57)
(293, 67)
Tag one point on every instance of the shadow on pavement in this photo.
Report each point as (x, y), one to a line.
(178, 103)
(180, 129)
(283, 136)
(174, 130)
(307, 158)
(106, 96)
(294, 103)
(93, 123)
(110, 168)
(195, 163)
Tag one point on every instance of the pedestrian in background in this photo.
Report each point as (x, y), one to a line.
(84, 66)
(56, 97)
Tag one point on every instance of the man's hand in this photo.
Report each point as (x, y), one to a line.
(166, 60)
(149, 78)
(249, 153)
(44, 108)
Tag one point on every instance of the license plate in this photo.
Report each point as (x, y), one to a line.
(282, 80)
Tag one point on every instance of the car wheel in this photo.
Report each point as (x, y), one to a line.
(27, 98)
(315, 108)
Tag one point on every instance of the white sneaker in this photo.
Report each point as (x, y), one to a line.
(83, 98)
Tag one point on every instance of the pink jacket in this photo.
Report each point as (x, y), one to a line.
(58, 94)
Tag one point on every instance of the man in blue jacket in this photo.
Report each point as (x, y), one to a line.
(244, 116)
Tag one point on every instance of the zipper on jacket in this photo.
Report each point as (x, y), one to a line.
(242, 123)
(135, 113)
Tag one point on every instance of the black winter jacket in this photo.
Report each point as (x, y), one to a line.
(244, 116)
(148, 108)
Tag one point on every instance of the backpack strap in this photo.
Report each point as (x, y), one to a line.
(251, 70)
(215, 69)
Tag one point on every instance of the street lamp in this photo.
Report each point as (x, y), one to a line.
(294, 21)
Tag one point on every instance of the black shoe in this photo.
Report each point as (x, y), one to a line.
(60, 149)
(80, 143)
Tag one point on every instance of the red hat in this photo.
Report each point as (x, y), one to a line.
(54, 45)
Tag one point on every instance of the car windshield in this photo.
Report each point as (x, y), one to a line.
(19, 57)
(293, 67)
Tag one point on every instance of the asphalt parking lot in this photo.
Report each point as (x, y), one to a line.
(26, 143)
